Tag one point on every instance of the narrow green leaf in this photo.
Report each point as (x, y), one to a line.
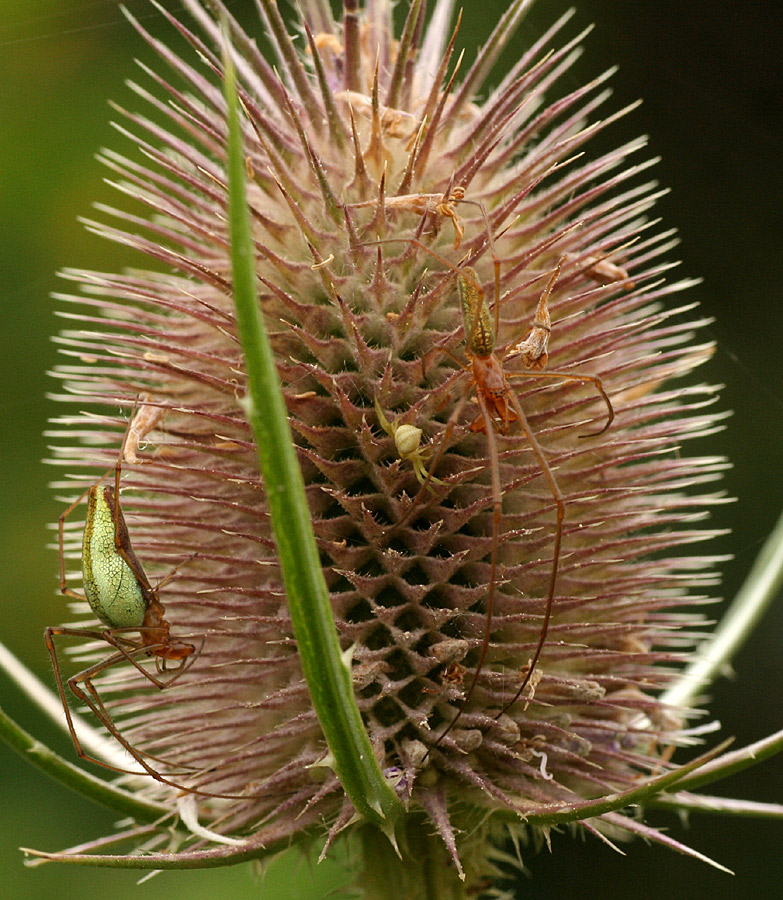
(761, 587)
(328, 675)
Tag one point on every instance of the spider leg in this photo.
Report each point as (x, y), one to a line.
(497, 510)
(557, 496)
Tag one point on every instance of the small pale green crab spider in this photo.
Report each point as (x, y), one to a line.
(407, 440)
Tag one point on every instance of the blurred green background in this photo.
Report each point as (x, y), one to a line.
(712, 89)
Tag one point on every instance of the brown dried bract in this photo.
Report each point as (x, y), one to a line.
(144, 421)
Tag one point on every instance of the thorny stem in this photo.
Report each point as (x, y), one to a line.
(428, 873)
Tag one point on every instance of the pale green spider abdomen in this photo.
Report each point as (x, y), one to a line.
(112, 589)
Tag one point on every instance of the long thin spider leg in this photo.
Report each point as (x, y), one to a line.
(98, 708)
(95, 705)
(497, 510)
(92, 701)
(560, 513)
(167, 578)
(583, 379)
(85, 676)
(534, 350)
(49, 636)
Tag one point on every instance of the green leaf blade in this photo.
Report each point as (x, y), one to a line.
(328, 677)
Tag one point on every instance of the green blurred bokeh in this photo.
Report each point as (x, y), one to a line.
(712, 86)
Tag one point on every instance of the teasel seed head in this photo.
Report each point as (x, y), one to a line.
(379, 167)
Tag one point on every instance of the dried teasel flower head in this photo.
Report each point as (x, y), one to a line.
(385, 181)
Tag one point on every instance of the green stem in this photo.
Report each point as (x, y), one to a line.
(426, 871)
(578, 811)
(39, 755)
(684, 802)
(730, 763)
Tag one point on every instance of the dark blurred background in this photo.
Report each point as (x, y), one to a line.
(710, 76)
